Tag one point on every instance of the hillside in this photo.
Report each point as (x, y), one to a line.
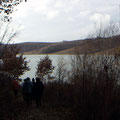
(55, 47)
(29, 46)
(69, 47)
(106, 45)
(51, 48)
(112, 51)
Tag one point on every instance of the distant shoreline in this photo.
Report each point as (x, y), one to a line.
(49, 54)
(68, 54)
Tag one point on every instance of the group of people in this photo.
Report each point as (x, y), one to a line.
(31, 90)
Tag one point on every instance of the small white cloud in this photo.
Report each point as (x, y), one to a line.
(71, 19)
(59, 4)
(52, 14)
(84, 13)
(100, 18)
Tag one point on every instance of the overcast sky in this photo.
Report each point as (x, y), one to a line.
(58, 20)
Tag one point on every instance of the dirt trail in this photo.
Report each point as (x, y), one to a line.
(20, 111)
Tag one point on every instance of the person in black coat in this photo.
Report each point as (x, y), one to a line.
(39, 87)
(33, 89)
(27, 91)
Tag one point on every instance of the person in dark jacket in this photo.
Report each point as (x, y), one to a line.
(23, 90)
(33, 89)
(27, 91)
(39, 87)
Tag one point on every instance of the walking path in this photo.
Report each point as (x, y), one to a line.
(20, 111)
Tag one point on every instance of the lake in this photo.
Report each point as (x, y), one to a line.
(33, 60)
(97, 63)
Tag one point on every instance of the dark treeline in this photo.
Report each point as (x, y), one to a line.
(91, 90)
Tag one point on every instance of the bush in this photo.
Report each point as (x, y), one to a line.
(93, 93)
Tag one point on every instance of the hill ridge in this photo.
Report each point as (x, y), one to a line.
(68, 47)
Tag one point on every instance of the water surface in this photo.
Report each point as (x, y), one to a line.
(33, 60)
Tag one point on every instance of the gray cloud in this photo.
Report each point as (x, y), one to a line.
(56, 20)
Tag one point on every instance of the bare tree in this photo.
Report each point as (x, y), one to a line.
(8, 31)
(7, 7)
(61, 70)
(107, 30)
(95, 79)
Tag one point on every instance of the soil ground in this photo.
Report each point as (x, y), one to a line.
(18, 110)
